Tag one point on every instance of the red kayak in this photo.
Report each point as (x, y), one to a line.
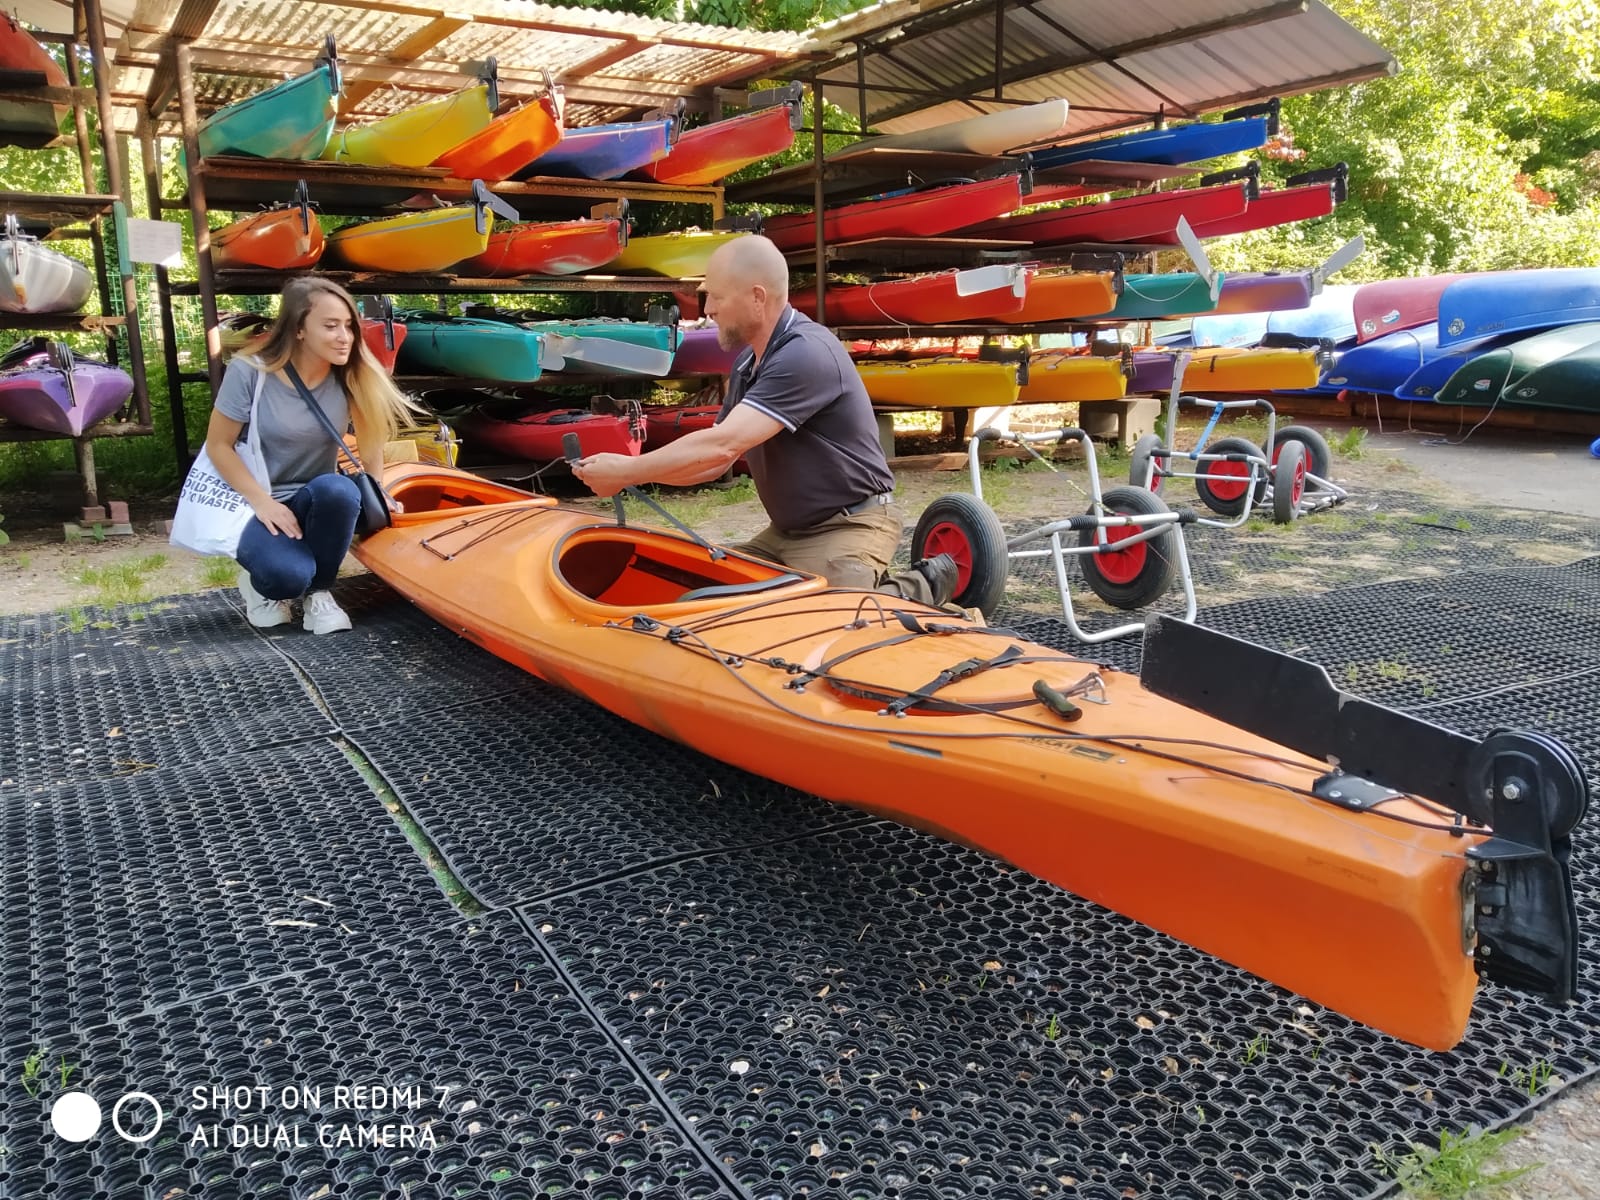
(707, 153)
(549, 248)
(668, 424)
(537, 436)
(1281, 207)
(1394, 304)
(925, 213)
(29, 123)
(942, 299)
(372, 333)
(1149, 217)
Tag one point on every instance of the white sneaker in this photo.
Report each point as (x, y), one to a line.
(323, 614)
(258, 610)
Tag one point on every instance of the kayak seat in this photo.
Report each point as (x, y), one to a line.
(740, 589)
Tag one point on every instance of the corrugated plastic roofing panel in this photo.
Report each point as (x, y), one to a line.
(1118, 62)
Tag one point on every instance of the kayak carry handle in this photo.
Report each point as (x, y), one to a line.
(1338, 175)
(1056, 701)
(1270, 109)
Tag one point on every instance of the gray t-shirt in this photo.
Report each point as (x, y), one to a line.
(295, 445)
(827, 456)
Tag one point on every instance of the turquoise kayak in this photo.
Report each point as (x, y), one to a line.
(1501, 375)
(472, 348)
(1151, 297)
(624, 347)
(293, 119)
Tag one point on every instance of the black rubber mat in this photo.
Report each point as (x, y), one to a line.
(540, 791)
(121, 694)
(396, 662)
(522, 1092)
(125, 895)
(1372, 537)
(877, 1013)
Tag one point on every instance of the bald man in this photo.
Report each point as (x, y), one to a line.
(797, 412)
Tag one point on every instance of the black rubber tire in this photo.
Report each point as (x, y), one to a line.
(966, 528)
(1140, 461)
(1288, 480)
(1319, 458)
(1221, 485)
(1135, 577)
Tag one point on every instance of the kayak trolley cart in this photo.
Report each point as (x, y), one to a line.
(1129, 543)
(1233, 475)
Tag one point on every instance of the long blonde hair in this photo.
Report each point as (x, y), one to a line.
(378, 404)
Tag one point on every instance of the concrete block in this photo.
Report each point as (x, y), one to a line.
(886, 433)
(92, 514)
(1122, 422)
(117, 511)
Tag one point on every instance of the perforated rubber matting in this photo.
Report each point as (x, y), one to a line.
(557, 792)
(174, 684)
(758, 994)
(124, 895)
(521, 1090)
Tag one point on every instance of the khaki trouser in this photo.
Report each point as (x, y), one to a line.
(849, 552)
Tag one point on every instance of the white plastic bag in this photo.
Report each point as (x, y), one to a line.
(211, 515)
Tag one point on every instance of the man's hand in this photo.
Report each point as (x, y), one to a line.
(606, 474)
(275, 515)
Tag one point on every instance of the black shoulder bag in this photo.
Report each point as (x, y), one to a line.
(374, 513)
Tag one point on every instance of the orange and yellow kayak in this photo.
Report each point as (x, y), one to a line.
(939, 383)
(1064, 377)
(1060, 296)
(681, 255)
(1215, 835)
(414, 136)
(1251, 369)
(431, 240)
(507, 144)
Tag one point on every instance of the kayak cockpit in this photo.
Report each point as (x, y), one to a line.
(428, 495)
(620, 567)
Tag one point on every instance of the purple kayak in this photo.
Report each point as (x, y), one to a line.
(699, 354)
(45, 386)
(1153, 371)
(1267, 291)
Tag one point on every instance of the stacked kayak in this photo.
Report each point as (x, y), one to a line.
(539, 436)
(604, 151)
(1500, 302)
(293, 119)
(939, 383)
(707, 153)
(1554, 369)
(29, 122)
(1064, 376)
(681, 255)
(936, 299)
(417, 135)
(282, 238)
(1156, 297)
(1238, 131)
(664, 424)
(1152, 216)
(1234, 837)
(699, 353)
(36, 279)
(472, 348)
(550, 248)
(508, 143)
(429, 240)
(921, 212)
(44, 385)
(1390, 305)
(1063, 295)
(990, 133)
(1254, 370)
(606, 346)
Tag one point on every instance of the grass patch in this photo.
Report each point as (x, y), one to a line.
(125, 582)
(1352, 443)
(696, 508)
(75, 618)
(1457, 1169)
(219, 572)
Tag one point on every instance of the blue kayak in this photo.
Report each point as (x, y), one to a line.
(1440, 362)
(1329, 315)
(1500, 302)
(1384, 364)
(1228, 329)
(293, 119)
(1244, 129)
(604, 151)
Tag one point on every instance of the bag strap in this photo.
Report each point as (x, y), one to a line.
(316, 409)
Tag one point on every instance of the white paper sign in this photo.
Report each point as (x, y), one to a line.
(159, 242)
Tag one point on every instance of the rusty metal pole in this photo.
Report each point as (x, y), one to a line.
(94, 23)
(197, 211)
(169, 331)
(817, 195)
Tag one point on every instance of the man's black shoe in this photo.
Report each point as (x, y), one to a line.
(941, 573)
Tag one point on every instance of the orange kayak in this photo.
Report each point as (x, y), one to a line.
(279, 239)
(509, 143)
(1358, 898)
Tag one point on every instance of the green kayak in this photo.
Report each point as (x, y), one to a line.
(1571, 381)
(1508, 374)
(1151, 297)
(441, 345)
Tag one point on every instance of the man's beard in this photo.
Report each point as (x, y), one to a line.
(730, 339)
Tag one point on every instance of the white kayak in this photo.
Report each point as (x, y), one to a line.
(36, 280)
(991, 133)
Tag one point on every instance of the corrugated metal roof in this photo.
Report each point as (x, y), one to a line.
(1118, 63)
(397, 52)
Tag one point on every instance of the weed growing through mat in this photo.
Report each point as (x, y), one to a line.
(1257, 1047)
(30, 1071)
(219, 572)
(1352, 443)
(1457, 1169)
(125, 582)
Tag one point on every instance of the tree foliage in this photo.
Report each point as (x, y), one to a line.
(1479, 155)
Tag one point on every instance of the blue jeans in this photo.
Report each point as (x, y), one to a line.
(282, 567)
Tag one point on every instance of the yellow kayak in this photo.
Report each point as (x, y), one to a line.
(1251, 369)
(1059, 377)
(939, 383)
(415, 136)
(675, 255)
(431, 240)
